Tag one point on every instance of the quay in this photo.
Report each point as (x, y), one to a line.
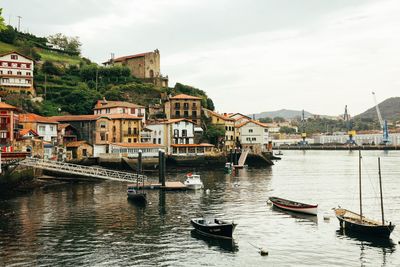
(336, 147)
(168, 186)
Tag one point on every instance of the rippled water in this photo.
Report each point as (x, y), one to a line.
(94, 224)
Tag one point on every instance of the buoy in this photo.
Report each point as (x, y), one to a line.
(179, 217)
(263, 252)
(208, 191)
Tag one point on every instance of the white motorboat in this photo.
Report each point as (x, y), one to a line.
(193, 181)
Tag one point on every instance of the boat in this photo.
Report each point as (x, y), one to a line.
(193, 181)
(213, 227)
(136, 195)
(356, 222)
(224, 244)
(228, 167)
(290, 205)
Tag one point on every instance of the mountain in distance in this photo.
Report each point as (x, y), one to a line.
(389, 108)
(284, 113)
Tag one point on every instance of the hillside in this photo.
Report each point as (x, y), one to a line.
(390, 110)
(284, 113)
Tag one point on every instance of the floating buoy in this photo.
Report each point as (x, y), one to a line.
(326, 218)
(263, 252)
(208, 191)
(179, 217)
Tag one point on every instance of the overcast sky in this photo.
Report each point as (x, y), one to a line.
(249, 56)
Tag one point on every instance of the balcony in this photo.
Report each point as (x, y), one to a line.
(130, 133)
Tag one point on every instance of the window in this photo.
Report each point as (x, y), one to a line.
(114, 129)
(226, 128)
(154, 140)
(123, 110)
(176, 133)
(1, 72)
(9, 72)
(42, 128)
(253, 139)
(84, 152)
(103, 125)
(27, 81)
(250, 130)
(135, 131)
(177, 113)
(5, 80)
(23, 66)
(265, 130)
(28, 74)
(51, 128)
(185, 105)
(129, 140)
(19, 73)
(132, 110)
(194, 104)
(184, 133)
(134, 140)
(159, 140)
(129, 131)
(187, 140)
(177, 105)
(186, 113)
(194, 113)
(14, 57)
(107, 110)
(102, 136)
(114, 139)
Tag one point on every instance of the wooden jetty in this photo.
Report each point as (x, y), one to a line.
(168, 186)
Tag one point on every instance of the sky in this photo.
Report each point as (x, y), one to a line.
(249, 56)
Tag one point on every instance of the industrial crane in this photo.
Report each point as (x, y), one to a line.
(350, 132)
(303, 142)
(383, 123)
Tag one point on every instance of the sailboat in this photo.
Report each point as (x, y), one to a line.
(358, 223)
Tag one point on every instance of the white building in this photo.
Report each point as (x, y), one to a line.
(169, 132)
(254, 135)
(16, 72)
(360, 139)
(44, 127)
(118, 107)
(131, 150)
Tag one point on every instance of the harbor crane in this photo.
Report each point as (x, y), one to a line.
(350, 131)
(303, 142)
(383, 123)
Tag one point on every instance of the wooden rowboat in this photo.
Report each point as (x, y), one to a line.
(290, 205)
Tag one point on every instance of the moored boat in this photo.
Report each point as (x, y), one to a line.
(228, 167)
(135, 195)
(214, 227)
(193, 181)
(295, 206)
(358, 223)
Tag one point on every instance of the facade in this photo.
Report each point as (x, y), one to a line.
(118, 107)
(132, 150)
(79, 150)
(66, 133)
(169, 132)
(229, 140)
(184, 106)
(102, 130)
(145, 66)
(44, 127)
(253, 135)
(360, 139)
(29, 141)
(16, 72)
(191, 149)
(9, 120)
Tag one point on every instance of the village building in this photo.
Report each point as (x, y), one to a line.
(145, 66)
(184, 106)
(29, 141)
(228, 141)
(132, 150)
(66, 133)
(253, 135)
(78, 150)
(191, 149)
(43, 126)
(9, 120)
(16, 72)
(102, 130)
(119, 107)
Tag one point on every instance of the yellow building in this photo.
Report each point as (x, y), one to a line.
(184, 107)
(227, 123)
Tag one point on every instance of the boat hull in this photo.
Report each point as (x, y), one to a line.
(212, 229)
(194, 186)
(371, 229)
(138, 197)
(298, 207)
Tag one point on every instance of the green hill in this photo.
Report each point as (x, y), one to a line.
(389, 108)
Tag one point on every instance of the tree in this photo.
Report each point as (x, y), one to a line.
(2, 24)
(8, 35)
(215, 134)
(70, 44)
(210, 104)
(287, 130)
(279, 119)
(266, 120)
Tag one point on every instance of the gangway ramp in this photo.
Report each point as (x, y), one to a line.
(242, 158)
(87, 171)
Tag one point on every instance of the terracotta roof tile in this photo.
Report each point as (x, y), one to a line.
(31, 117)
(4, 105)
(25, 131)
(101, 104)
(184, 96)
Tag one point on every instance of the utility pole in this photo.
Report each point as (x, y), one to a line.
(19, 22)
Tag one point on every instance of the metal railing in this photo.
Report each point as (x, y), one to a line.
(88, 171)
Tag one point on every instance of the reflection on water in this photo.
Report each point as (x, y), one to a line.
(385, 243)
(300, 217)
(224, 245)
(94, 224)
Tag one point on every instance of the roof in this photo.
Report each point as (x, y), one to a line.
(119, 59)
(226, 118)
(63, 125)
(253, 121)
(76, 143)
(101, 104)
(184, 96)
(93, 117)
(138, 145)
(240, 116)
(165, 121)
(31, 117)
(192, 145)
(25, 131)
(15, 52)
(4, 105)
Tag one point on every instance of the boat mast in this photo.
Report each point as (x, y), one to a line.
(380, 187)
(359, 182)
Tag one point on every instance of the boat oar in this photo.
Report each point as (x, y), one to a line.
(262, 251)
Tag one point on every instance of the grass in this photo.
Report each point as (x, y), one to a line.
(46, 55)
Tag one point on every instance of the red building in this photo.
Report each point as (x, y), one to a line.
(9, 120)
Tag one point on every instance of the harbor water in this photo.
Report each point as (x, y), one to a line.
(93, 224)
